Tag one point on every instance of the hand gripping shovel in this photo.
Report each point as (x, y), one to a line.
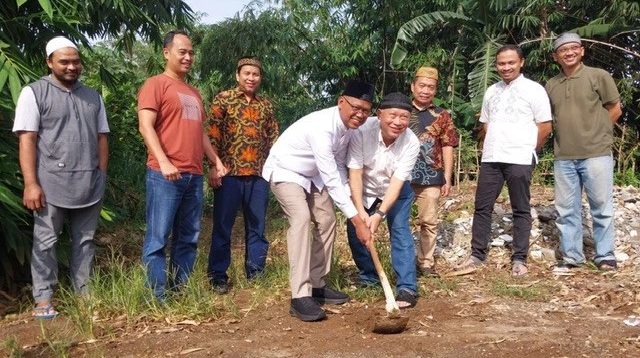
(393, 322)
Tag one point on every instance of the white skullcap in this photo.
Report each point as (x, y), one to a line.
(57, 43)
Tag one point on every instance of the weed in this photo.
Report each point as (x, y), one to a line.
(368, 294)
(59, 348)
(13, 347)
(440, 285)
(528, 292)
(79, 310)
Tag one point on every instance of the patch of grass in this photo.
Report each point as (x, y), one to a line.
(527, 292)
(368, 294)
(431, 285)
(118, 291)
(13, 347)
(79, 310)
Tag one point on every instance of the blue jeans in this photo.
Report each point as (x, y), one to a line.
(251, 193)
(595, 175)
(173, 207)
(403, 252)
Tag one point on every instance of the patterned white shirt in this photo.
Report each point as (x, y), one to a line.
(512, 112)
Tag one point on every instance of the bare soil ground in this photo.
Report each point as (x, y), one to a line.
(488, 314)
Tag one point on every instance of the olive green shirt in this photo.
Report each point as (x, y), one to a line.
(582, 127)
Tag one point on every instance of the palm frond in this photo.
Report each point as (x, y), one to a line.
(484, 73)
(411, 28)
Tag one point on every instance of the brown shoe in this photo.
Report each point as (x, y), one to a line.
(470, 265)
(428, 272)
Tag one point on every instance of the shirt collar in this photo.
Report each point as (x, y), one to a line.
(400, 137)
(430, 106)
(576, 74)
(237, 93)
(57, 84)
(514, 82)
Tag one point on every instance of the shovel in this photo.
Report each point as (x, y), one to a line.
(393, 322)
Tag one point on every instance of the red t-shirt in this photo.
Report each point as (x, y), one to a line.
(179, 123)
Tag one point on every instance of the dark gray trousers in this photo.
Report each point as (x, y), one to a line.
(48, 224)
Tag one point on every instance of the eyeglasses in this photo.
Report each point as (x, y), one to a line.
(363, 111)
(563, 50)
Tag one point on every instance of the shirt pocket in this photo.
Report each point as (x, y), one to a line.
(70, 157)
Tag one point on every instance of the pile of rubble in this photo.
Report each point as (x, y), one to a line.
(454, 236)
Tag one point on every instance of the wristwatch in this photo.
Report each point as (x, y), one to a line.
(381, 213)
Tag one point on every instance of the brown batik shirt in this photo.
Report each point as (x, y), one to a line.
(435, 129)
(242, 131)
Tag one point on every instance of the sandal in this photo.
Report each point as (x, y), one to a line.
(406, 299)
(607, 265)
(519, 269)
(44, 312)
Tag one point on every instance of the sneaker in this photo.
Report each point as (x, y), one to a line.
(427, 272)
(470, 265)
(306, 309)
(564, 269)
(330, 296)
(221, 287)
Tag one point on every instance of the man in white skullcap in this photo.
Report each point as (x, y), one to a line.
(62, 130)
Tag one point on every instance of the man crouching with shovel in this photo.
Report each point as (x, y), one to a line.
(381, 157)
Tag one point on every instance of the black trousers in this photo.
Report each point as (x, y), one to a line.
(490, 181)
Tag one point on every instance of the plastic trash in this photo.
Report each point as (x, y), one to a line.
(632, 321)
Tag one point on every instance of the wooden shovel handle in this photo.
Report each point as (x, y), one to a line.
(386, 287)
(375, 258)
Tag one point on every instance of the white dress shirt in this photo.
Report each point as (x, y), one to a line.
(380, 162)
(314, 150)
(512, 112)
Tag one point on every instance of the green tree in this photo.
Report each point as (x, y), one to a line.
(478, 28)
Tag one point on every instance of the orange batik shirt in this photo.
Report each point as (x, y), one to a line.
(242, 131)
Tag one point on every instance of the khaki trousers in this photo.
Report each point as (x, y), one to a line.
(427, 202)
(309, 246)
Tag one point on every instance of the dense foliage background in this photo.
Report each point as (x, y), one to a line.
(309, 48)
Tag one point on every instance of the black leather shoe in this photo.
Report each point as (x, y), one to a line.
(306, 309)
(327, 295)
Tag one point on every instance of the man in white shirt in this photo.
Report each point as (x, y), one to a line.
(517, 120)
(306, 169)
(381, 158)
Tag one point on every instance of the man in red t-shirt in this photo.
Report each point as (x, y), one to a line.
(171, 118)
